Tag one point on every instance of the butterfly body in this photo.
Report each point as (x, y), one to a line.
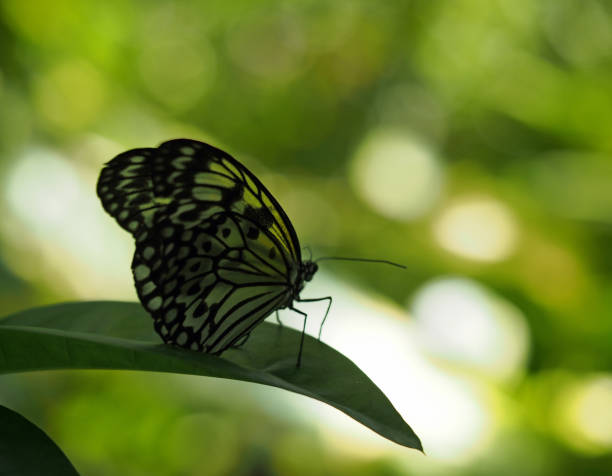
(215, 252)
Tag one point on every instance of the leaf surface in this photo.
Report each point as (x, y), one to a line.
(119, 335)
(25, 450)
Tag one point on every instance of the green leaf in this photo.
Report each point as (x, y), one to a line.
(119, 335)
(26, 450)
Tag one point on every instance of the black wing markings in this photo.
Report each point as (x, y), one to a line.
(157, 192)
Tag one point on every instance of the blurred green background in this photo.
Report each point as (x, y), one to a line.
(468, 139)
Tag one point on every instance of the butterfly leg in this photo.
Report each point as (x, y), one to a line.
(299, 359)
(278, 319)
(327, 298)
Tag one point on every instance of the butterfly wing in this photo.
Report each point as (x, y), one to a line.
(125, 187)
(215, 252)
(192, 180)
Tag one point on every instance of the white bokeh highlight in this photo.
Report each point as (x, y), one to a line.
(396, 175)
(584, 408)
(477, 228)
(60, 231)
(459, 320)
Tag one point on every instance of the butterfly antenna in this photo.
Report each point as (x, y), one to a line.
(307, 248)
(340, 258)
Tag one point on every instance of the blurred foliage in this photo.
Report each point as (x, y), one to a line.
(501, 110)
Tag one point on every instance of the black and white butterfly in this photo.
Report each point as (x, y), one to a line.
(215, 252)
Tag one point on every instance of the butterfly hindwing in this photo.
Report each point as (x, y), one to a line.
(213, 286)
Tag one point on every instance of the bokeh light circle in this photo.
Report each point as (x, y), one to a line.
(477, 228)
(464, 323)
(584, 414)
(58, 230)
(42, 190)
(396, 175)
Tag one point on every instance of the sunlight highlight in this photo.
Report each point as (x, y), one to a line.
(585, 409)
(481, 229)
(396, 175)
(59, 229)
(42, 190)
(460, 321)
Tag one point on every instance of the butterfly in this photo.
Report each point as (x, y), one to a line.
(215, 252)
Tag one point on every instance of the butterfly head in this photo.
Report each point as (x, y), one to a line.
(309, 268)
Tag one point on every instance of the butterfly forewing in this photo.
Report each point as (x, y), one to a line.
(125, 188)
(215, 253)
(196, 173)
